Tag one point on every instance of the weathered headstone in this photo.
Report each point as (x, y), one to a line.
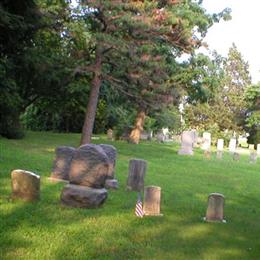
(137, 170)
(206, 141)
(220, 145)
(152, 201)
(232, 145)
(236, 156)
(251, 147)
(89, 166)
(110, 134)
(215, 210)
(219, 155)
(253, 157)
(160, 137)
(25, 185)
(258, 149)
(82, 197)
(61, 164)
(111, 184)
(111, 152)
(207, 154)
(187, 140)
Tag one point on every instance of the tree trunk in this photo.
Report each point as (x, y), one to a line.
(136, 132)
(92, 102)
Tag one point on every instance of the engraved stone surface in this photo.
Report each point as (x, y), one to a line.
(111, 153)
(89, 166)
(206, 141)
(232, 145)
(152, 201)
(61, 164)
(253, 157)
(187, 140)
(215, 210)
(25, 185)
(137, 170)
(82, 197)
(220, 145)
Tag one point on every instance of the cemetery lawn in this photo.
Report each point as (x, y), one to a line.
(47, 230)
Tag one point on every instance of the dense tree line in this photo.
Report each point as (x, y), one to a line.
(102, 64)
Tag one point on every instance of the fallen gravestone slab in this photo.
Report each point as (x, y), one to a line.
(215, 210)
(111, 152)
(82, 196)
(152, 201)
(137, 170)
(25, 185)
(89, 166)
(61, 164)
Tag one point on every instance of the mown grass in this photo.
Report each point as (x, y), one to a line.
(47, 230)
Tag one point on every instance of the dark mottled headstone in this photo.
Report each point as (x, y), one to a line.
(236, 156)
(111, 152)
(61, 164)
(253, 157)
(110, 134)
(89, 166)
(82, 196)
(25, 185)
(111, 184)
(137, 170)
(215, 210)
(152, 201)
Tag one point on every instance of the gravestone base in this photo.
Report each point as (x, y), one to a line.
(56, 180)
(214, 221)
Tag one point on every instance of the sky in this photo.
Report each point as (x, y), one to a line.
(243, 30)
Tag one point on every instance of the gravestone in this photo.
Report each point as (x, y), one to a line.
(82, 197)
(25, 185)
(206, 141)
(111, 184)
(152, 201)
(215, 210)
(258, 149)
(89, 166)
(207, 154)
(232, 145)
(220, 145)
(160, 137)
(110, 134)
(219, 155)
(144, 136)
(251, 147)
(236, 156)
(111, 153)
(187, 140)
(195, 138)
(137, 170)
(61, 164)
(253, 157)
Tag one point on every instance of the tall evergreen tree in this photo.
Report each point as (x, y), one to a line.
(126, 34)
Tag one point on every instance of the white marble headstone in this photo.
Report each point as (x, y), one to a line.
(258, 149)
(187, 140)
(232, 145)
(206, 143)
(220, 145)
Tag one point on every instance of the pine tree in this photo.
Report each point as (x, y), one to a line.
(132, 42)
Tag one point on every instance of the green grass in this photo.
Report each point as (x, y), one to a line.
(47, 230)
